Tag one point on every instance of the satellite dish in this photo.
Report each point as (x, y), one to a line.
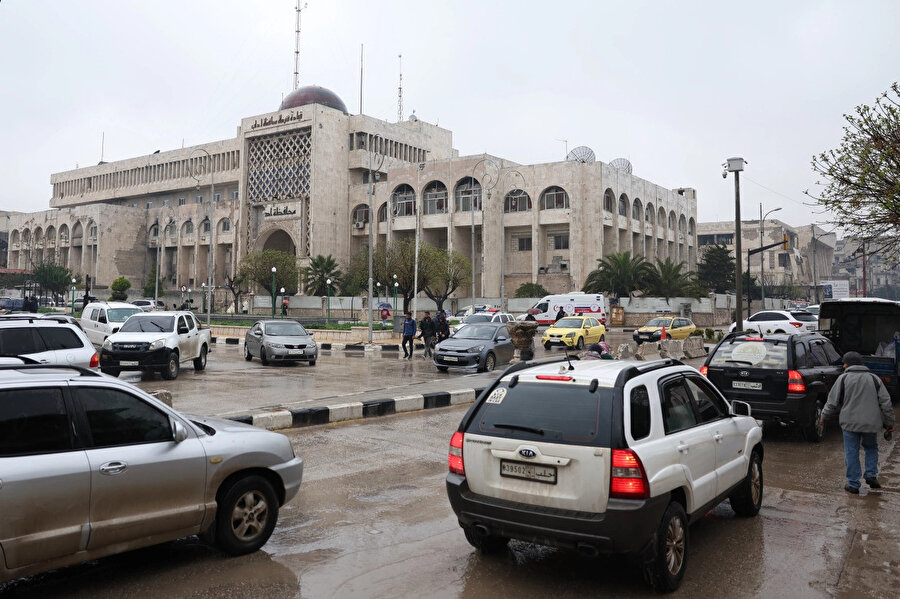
(582, 154)
(621, 164)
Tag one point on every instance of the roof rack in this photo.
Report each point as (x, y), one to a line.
(629, 373)
(80, 369)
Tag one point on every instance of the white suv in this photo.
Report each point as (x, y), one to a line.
(603, 457)
(46, 341)
(770, 322)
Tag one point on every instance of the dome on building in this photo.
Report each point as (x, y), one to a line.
(312, 94)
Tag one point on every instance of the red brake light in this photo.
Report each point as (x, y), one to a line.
(627, 477)
(753, 339)
(553, 377)
(95, 360)
(704, 370)
(796, 383)
(455, 458)
(797, 324)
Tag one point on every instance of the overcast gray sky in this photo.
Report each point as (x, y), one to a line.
(675, 87)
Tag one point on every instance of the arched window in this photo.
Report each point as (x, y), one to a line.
(691, 227)
(154, 231)
(14, 237)
(224, 226)
(382, 213)
(682, 225)
(403, 201)
(434, 198)
(63, 234)
(204, 226)
(636, 210)
(517, 201)
(661, 218)
(554, 198)
(671, 221)
(361, 213)
(467, 195)
(623, 205)
(649, 214)
(609, 201)
(51, 234)
(188, 228)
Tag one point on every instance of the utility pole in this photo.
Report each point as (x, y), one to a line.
(815, 275)
(736, 165)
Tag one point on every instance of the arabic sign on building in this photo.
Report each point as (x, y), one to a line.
(278, 211)
(835, 289)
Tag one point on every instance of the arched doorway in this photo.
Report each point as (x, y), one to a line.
(280, 240)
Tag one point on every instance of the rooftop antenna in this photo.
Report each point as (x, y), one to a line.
(297, 47)
(102, 143)
(400, 92)
(360, 76)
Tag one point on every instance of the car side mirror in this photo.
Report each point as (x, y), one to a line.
(182, 330)
(179, 433)
(740, 408)
(502, 338)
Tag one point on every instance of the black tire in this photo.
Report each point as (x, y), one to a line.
(312, 362)
(200, 361)
(489, 362)
(547, 346)
(246, 515)
(485, 543)
(172, 368)
(814, 432)
(262, 356)
(579, 345)
(747, 498)
(110, 371)
(441, 368)
(247, 355)
(667, 568)
(602, 338)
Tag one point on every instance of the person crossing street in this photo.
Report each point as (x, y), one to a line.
(409, 332)
(426, 332)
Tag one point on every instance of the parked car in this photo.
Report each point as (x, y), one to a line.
(93, 466)
(55, 316)
(784, 378)
(156, 341)
(677, 327)
(101, 319)
(574, 331)
(13, 303)
(46, 341)
(779, 321)
(573, 304)
(280, 341)
(814, 310)
(602, 457)
(148, 305)
(487, 316)
(480, 346)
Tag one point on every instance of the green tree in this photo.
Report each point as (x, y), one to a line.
(668, 279)
(120, 289)
(320, 269)
(861, 178)
(256, 268)
(52, 277)
(618, 274)
(237, 286)
(531, 290)
(149, 289)
(446, 271)
(715, 271)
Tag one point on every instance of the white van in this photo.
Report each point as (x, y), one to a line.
(101, 319)
(589, 304)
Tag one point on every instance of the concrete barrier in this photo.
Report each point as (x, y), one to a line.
(626, 351)
(693, 347)
(671, 348)
(647, 351)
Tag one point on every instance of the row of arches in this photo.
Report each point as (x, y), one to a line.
(187, 228)
(40, 237)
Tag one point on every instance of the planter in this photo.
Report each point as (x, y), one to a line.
(522, 336)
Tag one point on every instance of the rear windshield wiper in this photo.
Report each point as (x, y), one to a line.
(519, 427)
(739, 362)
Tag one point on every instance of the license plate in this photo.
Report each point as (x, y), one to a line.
(449, 358)
(295, 352)
(746, 385)
(535, 472)
(128, 363)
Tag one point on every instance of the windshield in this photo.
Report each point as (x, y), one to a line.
(660, 322)
(477, 318)
(758, 354)
(149, 324)
(121, 314)
(568, 323)
(476, 332)
(285, 329)
(805, 316)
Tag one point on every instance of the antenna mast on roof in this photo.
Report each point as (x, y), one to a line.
(400, 92)
(297, 48)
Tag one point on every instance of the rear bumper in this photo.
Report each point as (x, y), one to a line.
(627, 526)
(795, 408)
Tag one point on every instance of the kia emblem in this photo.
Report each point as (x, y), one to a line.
(745, 373)
(527, 453)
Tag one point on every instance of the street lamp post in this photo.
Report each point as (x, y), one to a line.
(274, 270)
(503, 240)
(203, 296)
(327, 301)
(73, 297)
(190, 300)
(762, 255)
(212, 228)
(376, 159)
(487, 184)
(736, 165)
(395, 293)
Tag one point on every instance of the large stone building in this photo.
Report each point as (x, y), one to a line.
(297, 180)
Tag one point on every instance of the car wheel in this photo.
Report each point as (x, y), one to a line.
(441, 368)
(489, 362)
(747, 498)
(247, 355)
(814, 432)
(262, 357)
(485, 543)
(547, 346)
(312, 362)
(110, 371)
(602, 338)
(246, 516)
(667, 568)
(172, 367)
(200, 361)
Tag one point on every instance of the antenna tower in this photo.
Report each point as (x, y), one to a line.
(297, 48)
(400, 91)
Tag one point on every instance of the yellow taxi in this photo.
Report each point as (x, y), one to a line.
(677, 327)
(574, 331)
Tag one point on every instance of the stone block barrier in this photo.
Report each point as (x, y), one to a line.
(671, 348)
(693, 347)
(626, 351)
(647, 351)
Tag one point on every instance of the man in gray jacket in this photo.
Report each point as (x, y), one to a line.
(865, 409)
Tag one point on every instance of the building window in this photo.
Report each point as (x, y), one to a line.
(205, 227)
(226, 225)
(524, 244)
(559, 241)
(468, 195)
(517, 201)
(217, 197)
(725, 239)
(784, 261)
(609, 201)
(554, 198)
(149, 205)
(234, 195)
(403, 201)
(198, 200)
(361, 214)
(434, 198)
(623, 205)
(189, 228)
(182, 201)
(706, 239)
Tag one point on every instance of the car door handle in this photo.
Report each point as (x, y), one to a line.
(683, 448)
(718, 436)
(113, 468)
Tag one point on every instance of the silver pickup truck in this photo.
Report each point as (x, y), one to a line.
(159, 341)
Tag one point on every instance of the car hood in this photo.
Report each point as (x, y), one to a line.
(649, 329)
(462, 344)
(245, 443)
(138, 337)
(560, 330)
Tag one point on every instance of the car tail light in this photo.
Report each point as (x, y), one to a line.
(704, 370)
(628, 479)
(455, 458)
(797, 324)
(796, 384)
(95, 360)
(753, 339)
(553, 377)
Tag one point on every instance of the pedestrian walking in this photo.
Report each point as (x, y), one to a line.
(560, 314)
(441, 327)
(865, 409)
(409, 333)
(426, 332)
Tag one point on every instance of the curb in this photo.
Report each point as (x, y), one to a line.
(281, 418)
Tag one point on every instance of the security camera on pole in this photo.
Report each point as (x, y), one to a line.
(736, 165)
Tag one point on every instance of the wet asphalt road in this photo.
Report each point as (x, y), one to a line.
(372, 520)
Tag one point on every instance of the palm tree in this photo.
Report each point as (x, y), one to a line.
(320, 269)
(619, 274)
(667, 280)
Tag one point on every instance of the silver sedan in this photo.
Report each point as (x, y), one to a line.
(280, 341)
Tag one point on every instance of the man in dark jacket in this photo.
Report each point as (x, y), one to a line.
(560, 314)
(409, 332)
(426, 332)
(441, 327)
(865, 409)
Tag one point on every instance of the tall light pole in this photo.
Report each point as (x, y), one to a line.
(328, 301)
(212, 228)
(418, 209)
(487, 184)
(395, 293)
(283, 307)
(376, 159)
(274, 270)
(736, 165)
(762, 255)
(73, 297)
